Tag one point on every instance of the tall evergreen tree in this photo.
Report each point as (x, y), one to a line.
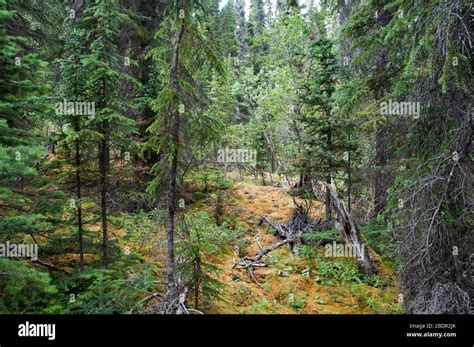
(425, 58)
(71, 89)
(326, 131)
(227, 31)
(21, 105)
(241, 28)
(102, 20)
(182, 51)
(257, 17)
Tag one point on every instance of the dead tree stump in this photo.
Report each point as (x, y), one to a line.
(349, 231)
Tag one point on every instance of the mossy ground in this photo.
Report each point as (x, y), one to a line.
(308, 283)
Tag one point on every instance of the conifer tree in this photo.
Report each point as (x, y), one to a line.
(226, 31)
(103, 20)
(326, 131)
(256, 28)
(21, 104)
(177, 106)
(257, 16)
(241, 28)
(425, 58)
(71, 89)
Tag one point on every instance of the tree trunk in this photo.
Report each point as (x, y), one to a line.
(79, 209)
(170, 225)
(328, 200)
(271, 150)
(348, 229)
(104, 163)
(349, 181)
(380, 179)
(198, 283)
(328, 178)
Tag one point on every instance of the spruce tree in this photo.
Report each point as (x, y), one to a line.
(424, 59)
(102, 20)
(182, 52)
(71, 90)
(257, 16)
(326, 131)
(226, 31)
(21, 147)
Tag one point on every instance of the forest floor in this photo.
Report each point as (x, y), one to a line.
(289, 284)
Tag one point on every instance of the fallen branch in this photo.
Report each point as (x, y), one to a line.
(149, 297)
(50, 266)
(288, 233)
(279, 231)
(254, 261)
(194, 311)
(250, 263)
(173, 301)
(298, 224)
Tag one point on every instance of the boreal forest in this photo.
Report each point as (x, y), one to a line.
(236, 157)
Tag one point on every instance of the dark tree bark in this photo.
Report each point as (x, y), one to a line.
(328, 177)
(104, 164)
(349, 181)
(197, 270)
(380, 179)
(328, 200)
(78, 161)
(79, 209)
(172, 193)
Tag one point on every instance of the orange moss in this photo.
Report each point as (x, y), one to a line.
(272, 293)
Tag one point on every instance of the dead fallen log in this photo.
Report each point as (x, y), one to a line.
(289, 232)
(349, 231)
(298, 224)
(250, 263)
(255, 261)
(280, 230)
(173, 301)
